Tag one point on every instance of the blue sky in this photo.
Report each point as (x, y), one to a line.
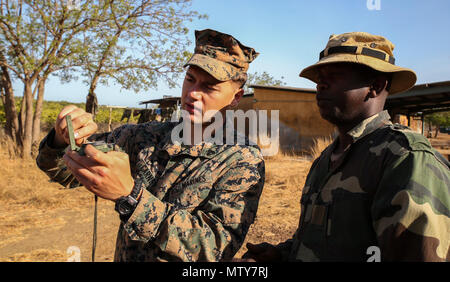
(289, 35)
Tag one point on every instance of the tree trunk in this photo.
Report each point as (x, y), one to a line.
(12, 121)
(430, 130)
(22, 117)
(28, 124)
(91, 99)
(38, 111)
(109, 120)
(436, 132)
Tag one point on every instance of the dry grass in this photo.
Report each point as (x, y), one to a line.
(24, 186)
(8, 150)
(39, 220)
(279, 206)
(319, 144)
(39, 255)
(36, 216)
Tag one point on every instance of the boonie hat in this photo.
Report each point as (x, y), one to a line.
(363, 48)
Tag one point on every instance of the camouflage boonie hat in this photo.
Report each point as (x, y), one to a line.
(221, 55)
(367, 49)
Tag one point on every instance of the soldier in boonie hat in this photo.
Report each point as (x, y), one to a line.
(366, 49)
(369, 196)
(221, 55)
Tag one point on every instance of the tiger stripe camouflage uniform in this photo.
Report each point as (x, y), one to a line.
(390, 190)
(198, 201)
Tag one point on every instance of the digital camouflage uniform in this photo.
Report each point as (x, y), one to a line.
(390, 189)
(199, 200)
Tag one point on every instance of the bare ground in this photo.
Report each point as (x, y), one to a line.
(41, 221)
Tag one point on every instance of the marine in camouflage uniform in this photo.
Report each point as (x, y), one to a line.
(198, 201)
(379, 184)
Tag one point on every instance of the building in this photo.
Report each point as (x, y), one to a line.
(301, 123)
(299, 118)
(410, 107)
(165, 108)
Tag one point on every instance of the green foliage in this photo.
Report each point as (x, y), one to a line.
(439, 119)
(103, 115)
(137, 45)
(262, 79)
(51, 109)
(18, 101)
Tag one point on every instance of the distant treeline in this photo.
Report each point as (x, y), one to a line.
(52, 108)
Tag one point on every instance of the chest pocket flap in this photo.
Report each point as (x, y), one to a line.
(189, 193)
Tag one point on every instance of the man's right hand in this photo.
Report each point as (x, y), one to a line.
(263, 252)
(82, 122)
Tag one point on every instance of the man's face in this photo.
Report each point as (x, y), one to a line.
(342, 92)
(202, 93)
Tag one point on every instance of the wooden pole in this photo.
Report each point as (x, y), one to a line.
(423, 123)
(110, 118)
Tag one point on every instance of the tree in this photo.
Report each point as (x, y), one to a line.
(35, 40)
(43, 37)
(141, 43)
(262, 79)
(438, 120)
(12, 122)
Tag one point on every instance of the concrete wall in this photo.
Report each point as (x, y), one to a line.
(246, 103)
(298, 110)
(300, 120)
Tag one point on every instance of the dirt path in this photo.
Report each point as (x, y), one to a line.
(52, 233)
(40, 221)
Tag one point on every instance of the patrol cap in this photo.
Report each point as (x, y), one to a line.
(221, 55)
(366, 49)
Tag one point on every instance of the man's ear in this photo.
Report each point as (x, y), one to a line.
(378, 86)
(237, 97)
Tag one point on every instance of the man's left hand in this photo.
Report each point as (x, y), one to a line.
(107, 175)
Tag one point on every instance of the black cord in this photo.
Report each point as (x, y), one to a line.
(94, 236)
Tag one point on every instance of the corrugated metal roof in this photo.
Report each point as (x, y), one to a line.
(426, 98)
(286, 88)
(159, 101)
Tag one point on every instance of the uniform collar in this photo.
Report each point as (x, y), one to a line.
(205, 149)
(369, 125)
(364, 128)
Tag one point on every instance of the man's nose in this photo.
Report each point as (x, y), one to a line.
(195, 94)
(321, 85)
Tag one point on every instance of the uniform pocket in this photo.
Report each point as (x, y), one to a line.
(349, 225)
(189, 193)
(307, 202)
